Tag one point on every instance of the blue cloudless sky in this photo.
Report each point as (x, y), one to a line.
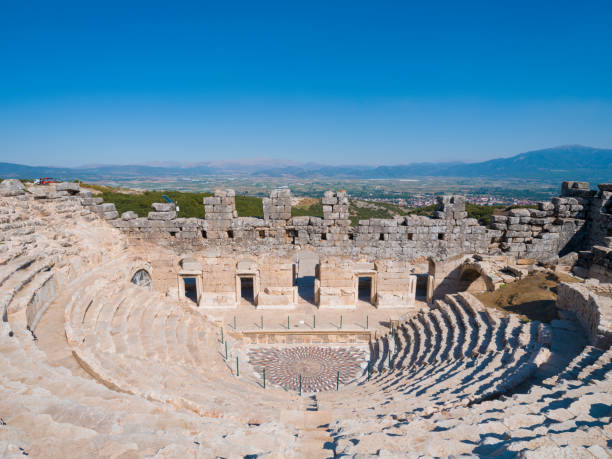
(333, 82)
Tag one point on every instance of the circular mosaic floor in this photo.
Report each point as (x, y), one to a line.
(318, 366)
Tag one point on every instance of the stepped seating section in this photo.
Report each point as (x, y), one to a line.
(47, 411)
(134, 341)
(455, 355)
(570, 418)
(434, 401)
(130, 334)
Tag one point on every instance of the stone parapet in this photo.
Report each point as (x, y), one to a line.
(578, 220)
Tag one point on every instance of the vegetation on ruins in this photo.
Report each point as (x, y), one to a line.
(190, 205)
(313, 210)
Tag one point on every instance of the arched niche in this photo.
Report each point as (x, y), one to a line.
(142, 278)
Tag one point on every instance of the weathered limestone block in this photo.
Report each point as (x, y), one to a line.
(519, 212)
(105, 207)
(161, 215)
(40, 194)
(163, 207)
(129, 215)
(11, 187)
(70, 187)
(546, 206)
(110, 215)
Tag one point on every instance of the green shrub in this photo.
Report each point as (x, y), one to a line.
(249, 206)
(314, 210)
(190, 204)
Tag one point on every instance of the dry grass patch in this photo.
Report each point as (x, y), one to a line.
(533, 297)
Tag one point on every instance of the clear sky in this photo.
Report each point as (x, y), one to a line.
(338, 82)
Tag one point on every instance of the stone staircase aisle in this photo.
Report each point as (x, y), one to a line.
(313, 439)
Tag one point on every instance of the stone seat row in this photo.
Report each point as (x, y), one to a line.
(446, 384)
(48, 411)
(130, 321)
(22, 275)
(457, 327)
(568, 419)
(133, 341)
(453, 355)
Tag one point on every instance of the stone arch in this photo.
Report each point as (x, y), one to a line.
(474, 279)
(142, 278)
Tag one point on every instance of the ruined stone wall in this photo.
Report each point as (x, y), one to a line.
(576, 220)
(595, 258)
(448, 233)
(554, 228)
(592, 310)
(599, 263)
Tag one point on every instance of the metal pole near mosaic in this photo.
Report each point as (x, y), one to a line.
(234, 322)
(337, 381)
(237, 368)
(221, 335)
(340, 321)
(264, 378)
(226, 350)
(288, 323)
(300, 390)
(367, 322)
(314, 321)
(389, 356)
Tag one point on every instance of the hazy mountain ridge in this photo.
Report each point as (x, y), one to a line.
(569, 162)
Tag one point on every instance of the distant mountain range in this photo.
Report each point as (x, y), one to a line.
(568, 162)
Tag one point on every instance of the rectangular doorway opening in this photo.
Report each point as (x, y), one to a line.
(364, 288)
(247, 291)
(421, 286)
(191, 289)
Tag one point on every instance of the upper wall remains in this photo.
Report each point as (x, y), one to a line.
(579, 219)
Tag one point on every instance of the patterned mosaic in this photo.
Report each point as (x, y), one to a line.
(318, 366)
